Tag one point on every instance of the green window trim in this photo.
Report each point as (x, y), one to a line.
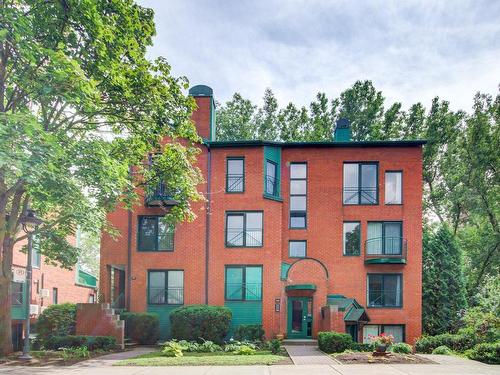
(166, 293)
(250, 291)
(290, 242)
(400, 172)
(17, 294)
(387, 245)
(245, 236)
(271, 179)
(357, 251)
(364, 194)
(301, 215)
(235, 183)
(167, 236)
(381, 295)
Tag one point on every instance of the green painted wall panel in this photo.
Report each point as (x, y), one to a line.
(244, 312)
(163, 312)
(18, 312)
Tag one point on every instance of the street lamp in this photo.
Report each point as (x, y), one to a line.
(29, 223)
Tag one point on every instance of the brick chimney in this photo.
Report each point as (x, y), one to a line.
(204, 115)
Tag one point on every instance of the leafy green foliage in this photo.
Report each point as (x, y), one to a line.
(173, 349)
(249, 332)
(401, 347)
(444, 297)
(197, 322)
(143, 328)
(275, 346)
(362, 347)
(443, 349)
(244, 350)
(485, 352)
(56, 320)
(334, 342)
(457, 342)
(92, 343)
(81, 352)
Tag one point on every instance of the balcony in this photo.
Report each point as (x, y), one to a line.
(160, 197)
(244, 238)
(386, 250)
(356, 195)
(235, 183)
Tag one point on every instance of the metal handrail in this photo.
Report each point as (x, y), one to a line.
(172, 296)
(247, 237)
(387, 247)
(380, 300)
(271, 185)
(235, 182)
(246, 290)
(369, 194)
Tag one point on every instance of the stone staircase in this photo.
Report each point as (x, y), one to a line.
(99, 319)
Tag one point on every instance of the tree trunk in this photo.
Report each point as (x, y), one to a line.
(5, 318)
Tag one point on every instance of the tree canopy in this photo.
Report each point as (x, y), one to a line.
(79, 104)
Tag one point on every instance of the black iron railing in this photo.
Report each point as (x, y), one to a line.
(160, 195)
(271, 185)
(170, 296)
(360, 195)
(244, 238)
(386, 247)
(384, 298)
(234, 183)
(246, 291)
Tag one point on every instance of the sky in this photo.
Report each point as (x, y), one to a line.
(411, 50)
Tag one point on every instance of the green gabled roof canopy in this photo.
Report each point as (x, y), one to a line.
(355, 312)
(301, 287)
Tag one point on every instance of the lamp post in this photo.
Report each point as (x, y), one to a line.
(29, 223)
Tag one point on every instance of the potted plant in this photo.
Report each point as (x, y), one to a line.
(382, 342)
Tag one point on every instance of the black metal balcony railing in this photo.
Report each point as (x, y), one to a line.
(392, 248)
(360, 195)
(17, 298)
(247, 291)
(235, 183)
(384, 298)
(171, 296)
(160, 196)
(271, 185)
(244, 238)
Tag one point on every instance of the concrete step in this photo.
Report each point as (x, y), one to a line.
(303, 342)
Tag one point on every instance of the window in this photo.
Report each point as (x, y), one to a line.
(91, 298)
(297, 249)
(384, 238)
(17, 293)
(235, 175)
(395, 330)
(155, 234)
(36, 257)
(298, 195)
(352, 238)
(384, 290)
(166, 287)
(243, 283)
(393, 187)
(360, 183)
(271, 178)
(243, 229)
(54, 296)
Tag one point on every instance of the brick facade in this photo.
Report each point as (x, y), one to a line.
(329, 270)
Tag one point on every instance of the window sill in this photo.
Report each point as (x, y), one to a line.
(155, 251)
(273, 197)
(385, 307)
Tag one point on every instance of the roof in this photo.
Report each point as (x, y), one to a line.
(257, 143)
(355, 312)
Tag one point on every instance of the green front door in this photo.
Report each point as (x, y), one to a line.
(299, 317)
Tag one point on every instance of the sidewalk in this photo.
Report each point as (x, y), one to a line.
(308, 355)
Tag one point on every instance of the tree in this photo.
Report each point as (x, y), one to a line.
(79, 105)
(236, 119)
(266, 120)
(443, 297)
(322, 116)
(292, 123)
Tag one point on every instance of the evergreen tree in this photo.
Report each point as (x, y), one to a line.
(443, 286)
(236, 119)
(292, 123)
(267, 118)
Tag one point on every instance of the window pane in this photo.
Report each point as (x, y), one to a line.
(175, 287)
(375, 290)
(157, 287)
(235, 175)
(297, 249)
(234, 283)
(368, 331)
(235, 234)
(298, 170)
(392, 290)
(368, 183)
(165, 235)
(297, 203)
(393, 238)
(271, 181)
(235, 166)
(297, 220)
(351, 238)
(254, 229)
(374, 240)
(17, 293)
(393, 187)
(298, 187)
(253, 283)
(147, 233)
(270, 169)
(351, 195)
(395, 331)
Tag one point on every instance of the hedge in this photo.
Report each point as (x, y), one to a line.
(56, 320)
(456, 342)
(249, 332)
(487, 352)
(143, 328)
(334, 342)
(70, 341)
(197, 322)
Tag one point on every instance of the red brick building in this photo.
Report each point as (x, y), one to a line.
(300, 237)
(50, 285)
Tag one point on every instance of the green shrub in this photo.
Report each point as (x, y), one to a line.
(487, 352)
(75, 353)
(402, 348)
(457, 342)
(173, 349)
(56, 320)
(244, 350)
(334, 342)
(196, 322)
(249, 332)
(90, 342)
(362, 347)
(443, 349)
(144, 328)
(275, 346)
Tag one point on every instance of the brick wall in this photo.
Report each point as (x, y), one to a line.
(98, 319)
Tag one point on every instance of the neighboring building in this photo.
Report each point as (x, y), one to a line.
(50, 285)
(300, 237)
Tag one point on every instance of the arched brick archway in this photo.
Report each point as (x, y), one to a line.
(308, 272)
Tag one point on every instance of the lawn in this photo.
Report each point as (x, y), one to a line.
(205, 359)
